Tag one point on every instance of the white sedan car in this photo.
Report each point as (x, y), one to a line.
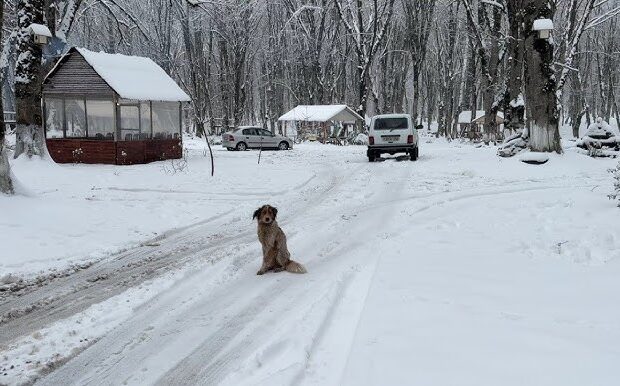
(252, 137)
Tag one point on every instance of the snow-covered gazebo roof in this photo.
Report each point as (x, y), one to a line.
(131, 77)
(321, 113)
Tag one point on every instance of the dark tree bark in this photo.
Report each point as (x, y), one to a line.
(490, 78)
(446, 72)
(195, 56)
(540, 81)
(30, 139)
(419, 19)
(6, 183)
(224, 85)
(514, 108)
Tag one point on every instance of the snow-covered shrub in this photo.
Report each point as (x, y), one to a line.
(615, 195)
(215, 139)
(598, 136)
(599, 130)
(361, 139)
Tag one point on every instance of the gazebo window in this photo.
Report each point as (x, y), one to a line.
(130, 123)
(166, 120)
(75, 114)
(54, 122)
(145, 120)
(100, 119)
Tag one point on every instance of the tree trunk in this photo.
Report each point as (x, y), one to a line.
(6, 183)
(514, 109)
(490, 79)
(362, 90)
(415, 108)
(540, 82)
(28, 77)
(224, 85)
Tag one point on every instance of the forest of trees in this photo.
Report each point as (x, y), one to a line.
(249, 61)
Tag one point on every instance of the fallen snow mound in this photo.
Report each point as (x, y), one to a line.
(534, 158)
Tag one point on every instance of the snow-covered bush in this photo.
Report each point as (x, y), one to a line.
(215, 139)
(615, 195)
(599, 130)
(598, 136)
(361, 139)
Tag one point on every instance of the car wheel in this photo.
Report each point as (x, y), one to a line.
(372, 157)
(283, 146)
(414, 154)
(241, 146)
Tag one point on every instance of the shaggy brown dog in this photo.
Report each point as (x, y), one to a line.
(276, 256)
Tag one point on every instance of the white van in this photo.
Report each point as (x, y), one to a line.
(392, 133)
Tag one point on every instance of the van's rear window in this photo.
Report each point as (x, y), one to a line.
(391, 123)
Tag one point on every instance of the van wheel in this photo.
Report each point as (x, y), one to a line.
(414, 154)
(371, 158)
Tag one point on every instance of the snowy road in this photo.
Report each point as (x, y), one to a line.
(460, 268)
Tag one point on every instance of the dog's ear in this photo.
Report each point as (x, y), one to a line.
(275, 212)
(256, 213)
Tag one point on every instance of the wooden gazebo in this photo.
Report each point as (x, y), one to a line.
(111, 108)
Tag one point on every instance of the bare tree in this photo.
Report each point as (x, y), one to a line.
(6, 183)
(540, 81)
(366, 37)
(513, 101)
(419, 19)
(247, 62)
(28, 78)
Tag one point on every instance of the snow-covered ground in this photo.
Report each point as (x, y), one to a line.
(72, 214)
(461, 268)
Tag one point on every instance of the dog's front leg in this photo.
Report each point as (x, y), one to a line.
(269, 261)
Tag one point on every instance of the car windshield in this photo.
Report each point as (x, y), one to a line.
(391, 123)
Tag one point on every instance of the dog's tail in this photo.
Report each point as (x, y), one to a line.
(295, 267)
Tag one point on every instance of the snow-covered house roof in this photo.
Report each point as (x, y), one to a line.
(131, 77)
(321, 113)
(40, 29)
(465, 116)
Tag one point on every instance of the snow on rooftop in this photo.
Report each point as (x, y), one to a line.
(542, 24)
(465, 116)
(320, 113)
(40, 29)
(135, 77)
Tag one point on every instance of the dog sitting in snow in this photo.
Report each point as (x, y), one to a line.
(276, 256)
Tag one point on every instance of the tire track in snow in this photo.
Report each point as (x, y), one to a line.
(43, 301)
(226, 334)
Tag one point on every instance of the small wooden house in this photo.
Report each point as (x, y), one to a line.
(466, 122)
(317, 120)
(111, 108)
